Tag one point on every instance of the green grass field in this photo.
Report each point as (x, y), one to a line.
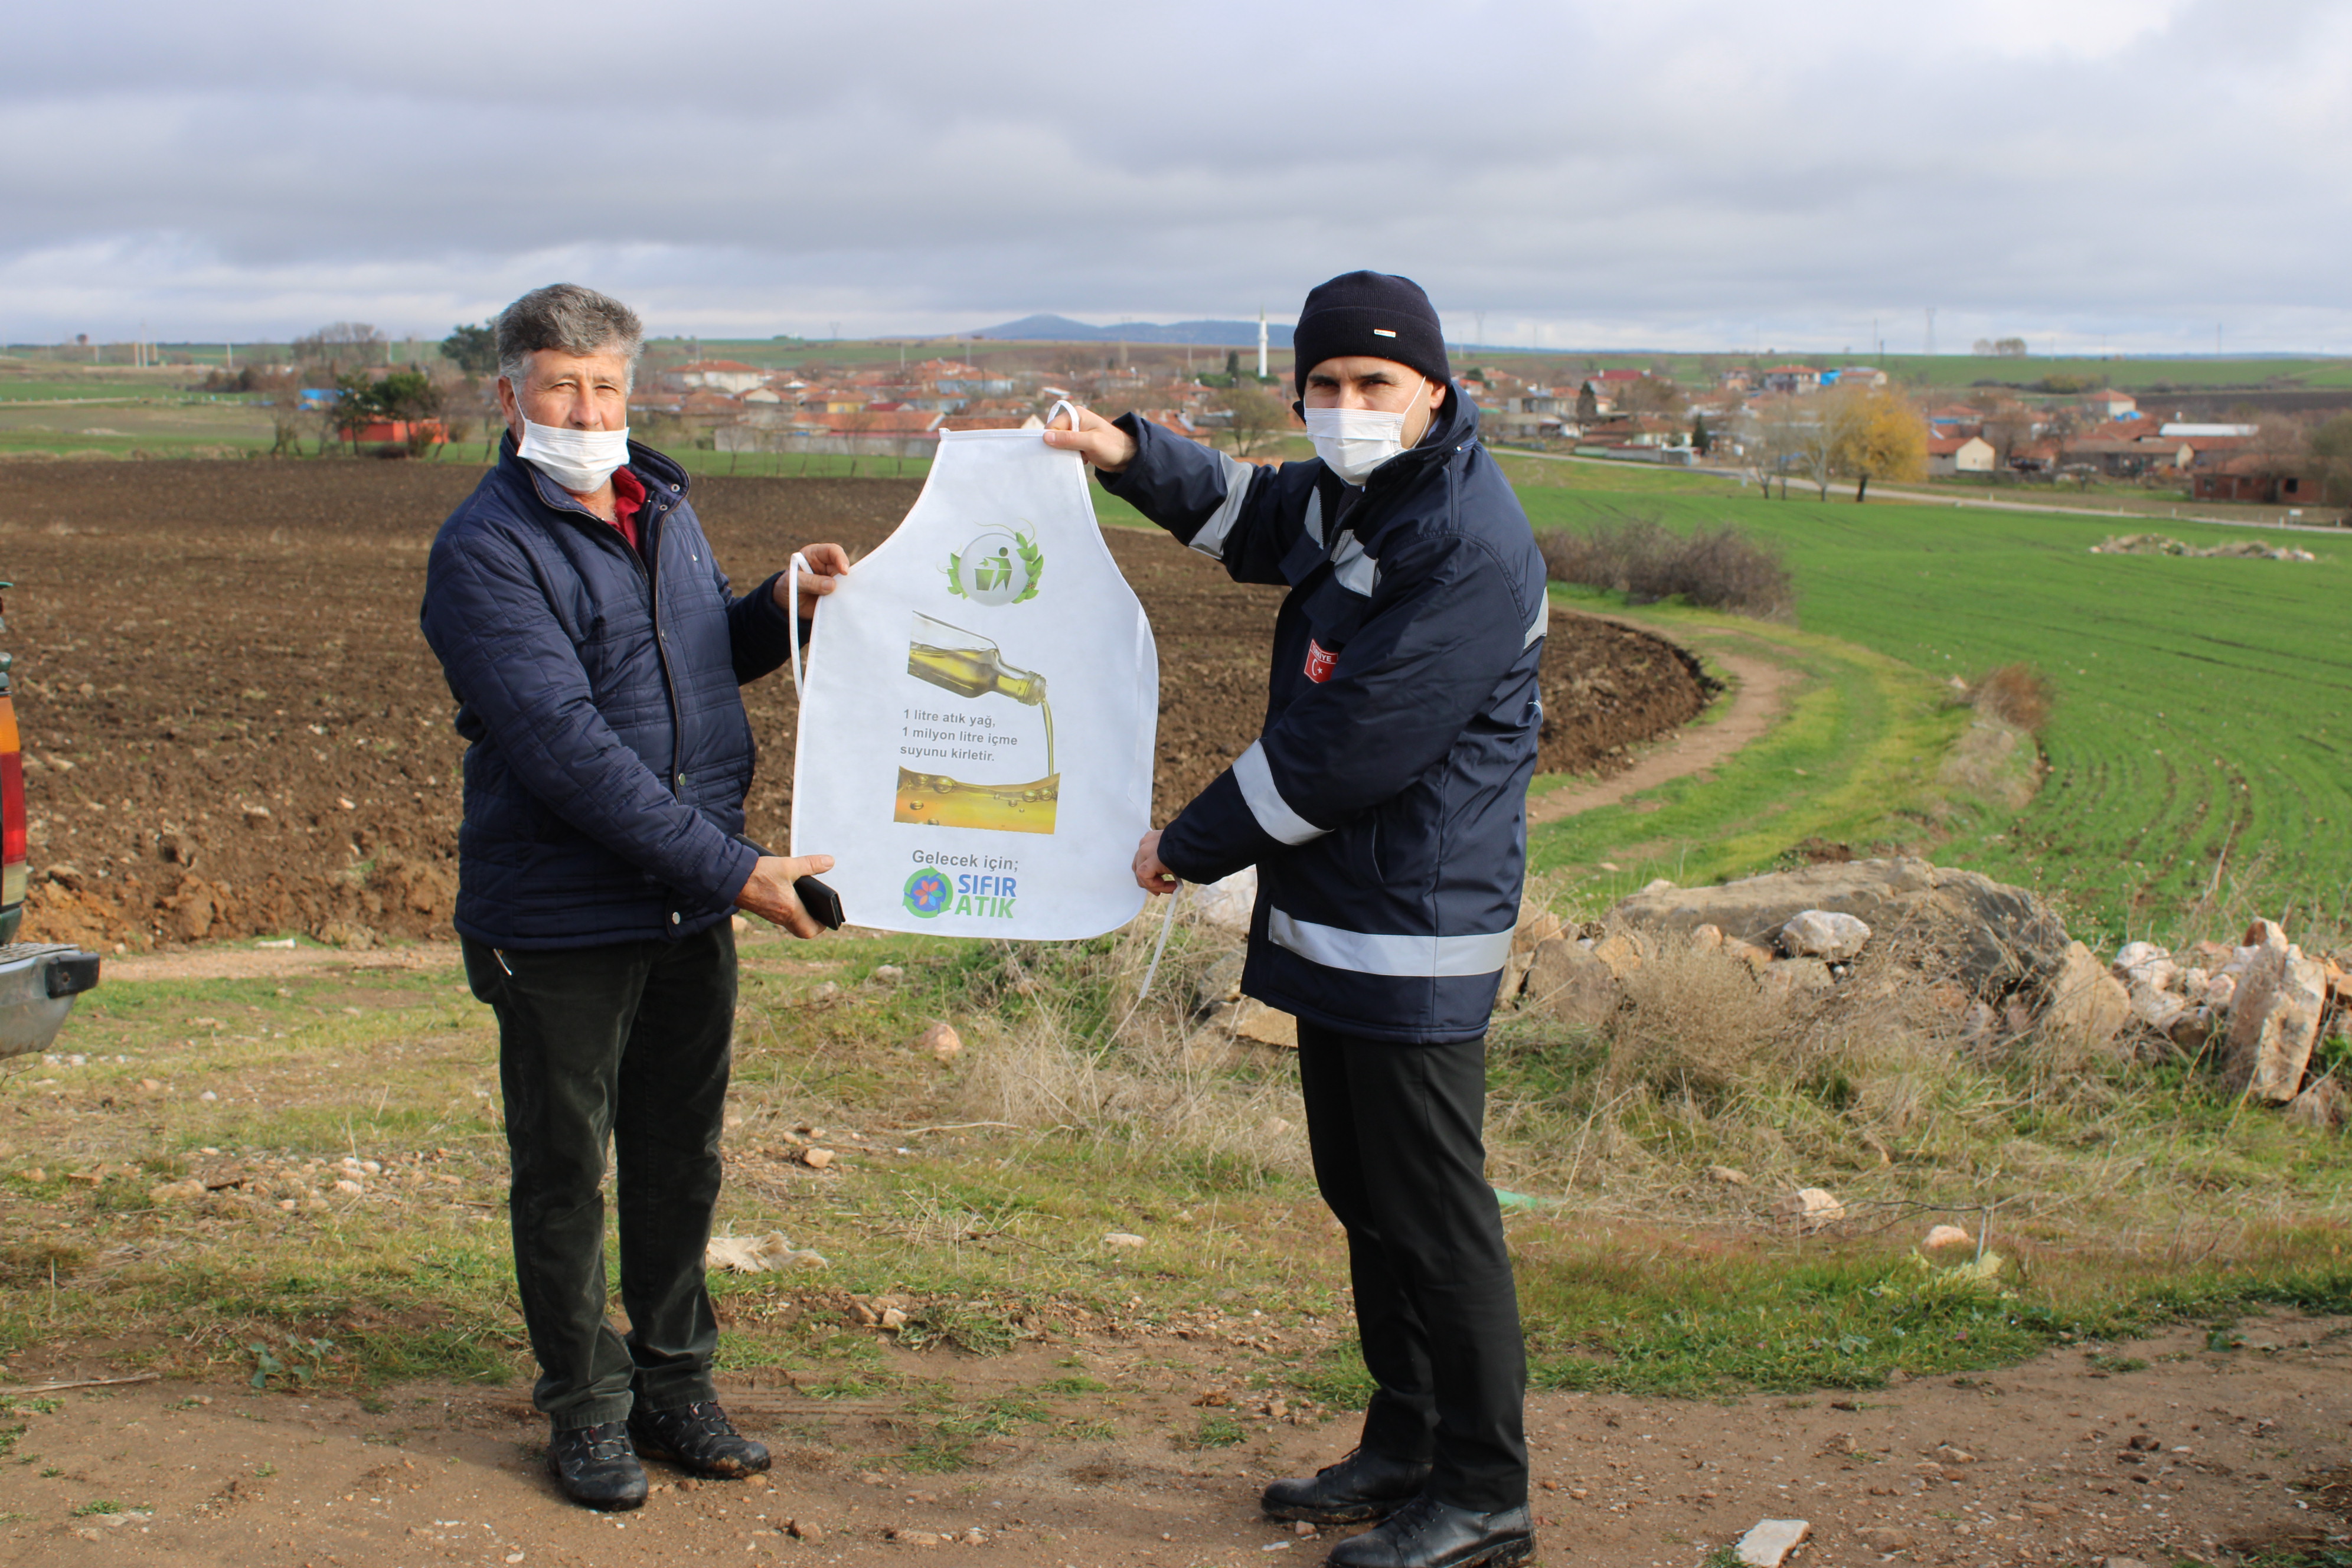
(2197, 747)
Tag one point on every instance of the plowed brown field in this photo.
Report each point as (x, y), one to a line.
(233, 727)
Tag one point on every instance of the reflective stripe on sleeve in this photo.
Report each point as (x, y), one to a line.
(1369, 953)
(1266, 802)
(1540, 624)
(1356, 571)
(1211, 540)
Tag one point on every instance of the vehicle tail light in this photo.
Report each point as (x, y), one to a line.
(13, 869)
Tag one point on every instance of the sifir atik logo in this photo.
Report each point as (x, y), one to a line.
(1319, 661)
(931, 894)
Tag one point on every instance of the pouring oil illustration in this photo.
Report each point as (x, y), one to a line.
(971, 667)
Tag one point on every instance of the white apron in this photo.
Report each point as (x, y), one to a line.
(978, 718)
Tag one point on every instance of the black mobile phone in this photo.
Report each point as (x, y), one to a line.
(821, 902)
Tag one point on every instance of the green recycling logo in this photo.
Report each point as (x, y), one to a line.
(1000, 566)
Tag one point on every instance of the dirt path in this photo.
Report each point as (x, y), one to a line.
(2160, 1450)
(1759, 693)
(245, 961)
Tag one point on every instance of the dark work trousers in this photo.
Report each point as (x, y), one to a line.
(1398, 1137)
(630, 1042)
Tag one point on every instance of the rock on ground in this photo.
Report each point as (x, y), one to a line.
(1770, 1542)
(2082, 1002)
(1254, 1020)
(2274, 1021)
(1572, 981)
(1824, 934)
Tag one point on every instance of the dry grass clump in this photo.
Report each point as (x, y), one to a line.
(1701, 1064)
(2016, 694)
(1082, 1056)
(1718, 568)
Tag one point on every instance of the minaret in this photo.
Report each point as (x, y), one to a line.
(1261, 342)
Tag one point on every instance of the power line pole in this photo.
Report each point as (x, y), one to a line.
(1931, 332)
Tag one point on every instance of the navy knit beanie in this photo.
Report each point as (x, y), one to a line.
(1373, 314)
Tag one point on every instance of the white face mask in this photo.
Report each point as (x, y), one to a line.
(1352, 442)
(579, 460)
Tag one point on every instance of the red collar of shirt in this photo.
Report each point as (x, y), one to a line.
(628, 499)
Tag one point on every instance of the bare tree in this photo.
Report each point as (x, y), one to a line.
(1653, 395)
(1773, 444)
(340, 343)
(285, 390)
(2280, 447)
(2331, 455)
(2006, 429)
(1258, 420)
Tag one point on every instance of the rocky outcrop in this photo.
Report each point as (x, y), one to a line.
(1994, 937)
(1994, 961)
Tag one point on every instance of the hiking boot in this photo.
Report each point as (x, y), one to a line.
(1427, 1534)
(596, 1468)
(698, 1437)
(1363, 1486)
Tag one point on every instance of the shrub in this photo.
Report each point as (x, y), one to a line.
(2015, 694)
(1717, 568)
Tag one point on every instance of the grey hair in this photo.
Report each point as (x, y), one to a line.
(568, 317)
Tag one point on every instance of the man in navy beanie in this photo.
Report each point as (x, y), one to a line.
(1384, 806)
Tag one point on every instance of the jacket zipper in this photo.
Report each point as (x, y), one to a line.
(655, 513)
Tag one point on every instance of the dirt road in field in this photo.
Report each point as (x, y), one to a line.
(2164, 1450)
(1759, 692)
(233, 726)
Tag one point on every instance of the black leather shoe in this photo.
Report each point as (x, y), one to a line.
(699, 1438)
(1426, 1533)
(1364, 1486)
(596, 1468)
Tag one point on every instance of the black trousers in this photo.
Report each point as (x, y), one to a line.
(1398, 1137)
(630, 1042)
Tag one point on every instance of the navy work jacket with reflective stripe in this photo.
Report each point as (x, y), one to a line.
(598, 685)
(1385, 803)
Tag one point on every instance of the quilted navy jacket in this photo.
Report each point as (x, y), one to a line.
(610, 752)
(1384, 803)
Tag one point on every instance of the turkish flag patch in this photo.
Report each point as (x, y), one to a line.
(1319, 661)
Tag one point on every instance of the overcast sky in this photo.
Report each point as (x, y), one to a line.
(2131, 174)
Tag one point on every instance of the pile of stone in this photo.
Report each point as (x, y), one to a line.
(2255, 1013)
(1995, 957)
(2161, 544)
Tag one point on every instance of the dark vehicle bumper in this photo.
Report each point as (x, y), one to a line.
(38, 983)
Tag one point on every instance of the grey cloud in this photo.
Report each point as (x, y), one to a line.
(1673, 174)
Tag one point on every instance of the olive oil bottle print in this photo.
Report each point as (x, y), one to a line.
(966, 736)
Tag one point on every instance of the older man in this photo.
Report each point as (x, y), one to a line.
(1385, 808)
(595, 652)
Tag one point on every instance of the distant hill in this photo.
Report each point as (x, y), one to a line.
(1063, 330)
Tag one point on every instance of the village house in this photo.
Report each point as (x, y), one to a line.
(1792, 378)
(1950, 455)
(720, 374)
(2253, 478)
